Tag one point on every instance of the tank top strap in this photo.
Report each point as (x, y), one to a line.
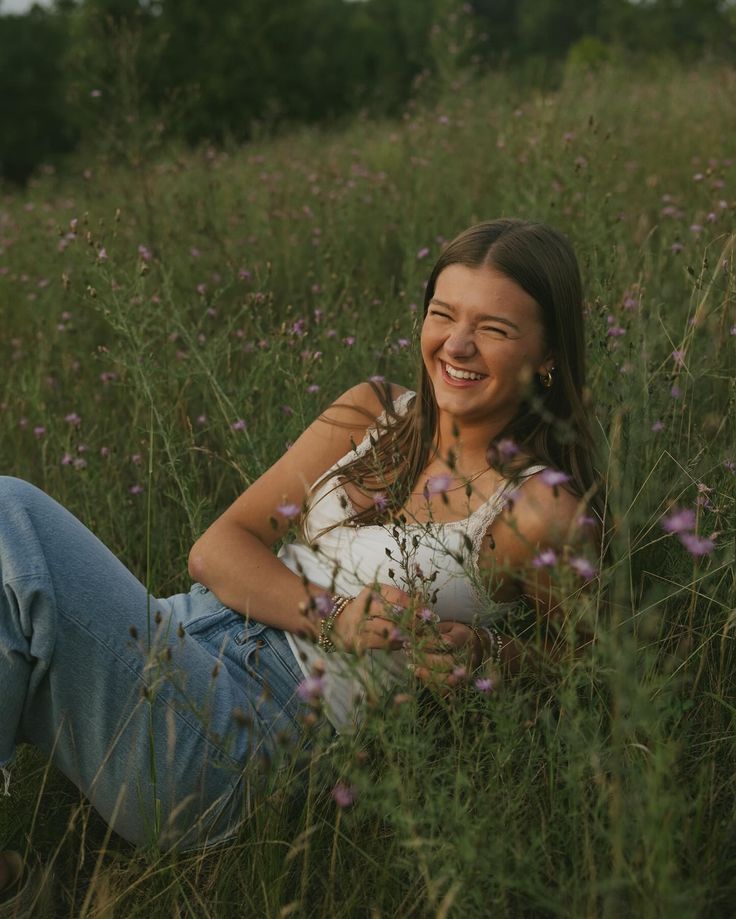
(481, 519)
(401, 405)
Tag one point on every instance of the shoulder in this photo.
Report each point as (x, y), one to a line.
(541, 516)
(369, 398)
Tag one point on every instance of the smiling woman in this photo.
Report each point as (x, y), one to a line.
(422, 519)
(483, 340)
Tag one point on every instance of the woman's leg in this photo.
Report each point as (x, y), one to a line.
(149, 706)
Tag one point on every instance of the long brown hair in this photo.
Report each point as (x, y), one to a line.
(551, 426)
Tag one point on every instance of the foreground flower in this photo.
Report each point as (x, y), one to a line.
(680, 521)
(344, 795)
(583, 567)
(438, 484)
(324, 605)
(553, 477)
(547, 558)
(697, 546)
(289, 510)
(311, 688)
(484, 684)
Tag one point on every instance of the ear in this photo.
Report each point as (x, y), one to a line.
(549, 363)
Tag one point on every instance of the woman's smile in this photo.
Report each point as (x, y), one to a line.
(458, 376)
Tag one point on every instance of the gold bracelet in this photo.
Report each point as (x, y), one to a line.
(484, 652)
(497, 643)
(338, 605)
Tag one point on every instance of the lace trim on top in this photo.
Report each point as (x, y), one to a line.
(475, 524)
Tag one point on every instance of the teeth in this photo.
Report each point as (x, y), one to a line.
(462, 374)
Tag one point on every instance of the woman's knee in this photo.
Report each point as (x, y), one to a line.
(15, 491)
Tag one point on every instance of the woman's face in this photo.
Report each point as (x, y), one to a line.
(482, 341)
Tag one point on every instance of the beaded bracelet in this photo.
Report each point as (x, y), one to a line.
(338, 605)
(490, 652)
(497, 644)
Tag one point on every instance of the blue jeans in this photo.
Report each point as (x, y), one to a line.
(157, 709)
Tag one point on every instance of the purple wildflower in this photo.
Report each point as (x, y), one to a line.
(425, 614)
(583, 567)
(422, 253)
(547, 558)
(289, 510)
(507, 449)
(697, 545)
(136, 489)
(380, 501)
(438, 484)
(658, 426)
(553, 477)
(344, 795)
(323, 604)
(681, 520)
(484, 684)
(73, 419)
(238, 425)
(311, 688)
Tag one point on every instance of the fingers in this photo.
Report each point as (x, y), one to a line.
(394, 596)
(378, 632)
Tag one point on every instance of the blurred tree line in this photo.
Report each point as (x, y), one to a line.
(122, 72)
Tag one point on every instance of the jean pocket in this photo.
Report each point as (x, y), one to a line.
(211, 619)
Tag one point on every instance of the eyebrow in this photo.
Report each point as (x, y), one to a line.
(483, 318)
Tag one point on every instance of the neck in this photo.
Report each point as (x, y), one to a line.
(468, 443)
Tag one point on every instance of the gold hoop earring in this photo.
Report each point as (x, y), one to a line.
(547, 379)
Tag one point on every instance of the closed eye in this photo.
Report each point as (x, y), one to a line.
(433, 312)
(494, 328)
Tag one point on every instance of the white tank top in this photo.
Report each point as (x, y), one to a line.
(439, 560)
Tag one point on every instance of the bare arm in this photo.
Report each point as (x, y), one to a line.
(233, 558)
(527, 553)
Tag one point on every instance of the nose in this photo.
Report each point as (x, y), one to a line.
(460, 342)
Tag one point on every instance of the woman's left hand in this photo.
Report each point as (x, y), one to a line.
(450, 659)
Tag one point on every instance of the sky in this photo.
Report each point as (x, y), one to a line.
(20, 6)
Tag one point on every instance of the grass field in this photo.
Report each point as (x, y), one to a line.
(172, 320)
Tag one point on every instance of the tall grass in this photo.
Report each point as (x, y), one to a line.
(170, 324)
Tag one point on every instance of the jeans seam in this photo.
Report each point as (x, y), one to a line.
(179, 715)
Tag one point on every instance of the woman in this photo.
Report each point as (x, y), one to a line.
(450, 505)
